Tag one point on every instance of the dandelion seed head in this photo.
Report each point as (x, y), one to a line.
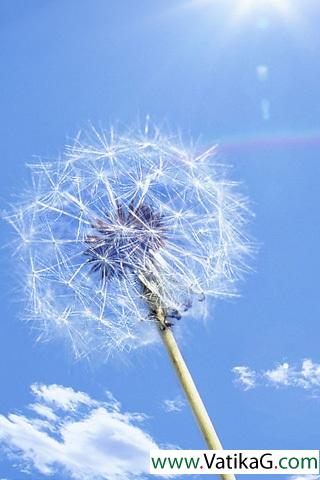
(119, 212)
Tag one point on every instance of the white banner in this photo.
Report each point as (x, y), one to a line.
(206, 462)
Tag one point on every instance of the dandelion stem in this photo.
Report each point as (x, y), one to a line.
(189, 387)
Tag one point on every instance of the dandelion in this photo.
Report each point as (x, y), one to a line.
(125, 232)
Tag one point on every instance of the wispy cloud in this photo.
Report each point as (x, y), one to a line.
(174, 405)
(304, 477)
(305, 376)
(85, 438)
(245, 377)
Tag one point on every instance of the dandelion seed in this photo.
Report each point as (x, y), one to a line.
(125, 232)
(119, 212)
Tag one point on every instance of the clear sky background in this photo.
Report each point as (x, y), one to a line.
(243, 74)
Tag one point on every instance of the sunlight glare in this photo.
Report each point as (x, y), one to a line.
(246, 6)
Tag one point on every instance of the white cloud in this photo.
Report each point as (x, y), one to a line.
(43, 411)
(61, 397)
(175, 405)
(305, 376)
(281, 375)
(85, 438)
(245, 377)
(304, 477)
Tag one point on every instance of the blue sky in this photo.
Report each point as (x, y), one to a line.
(244, 77)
